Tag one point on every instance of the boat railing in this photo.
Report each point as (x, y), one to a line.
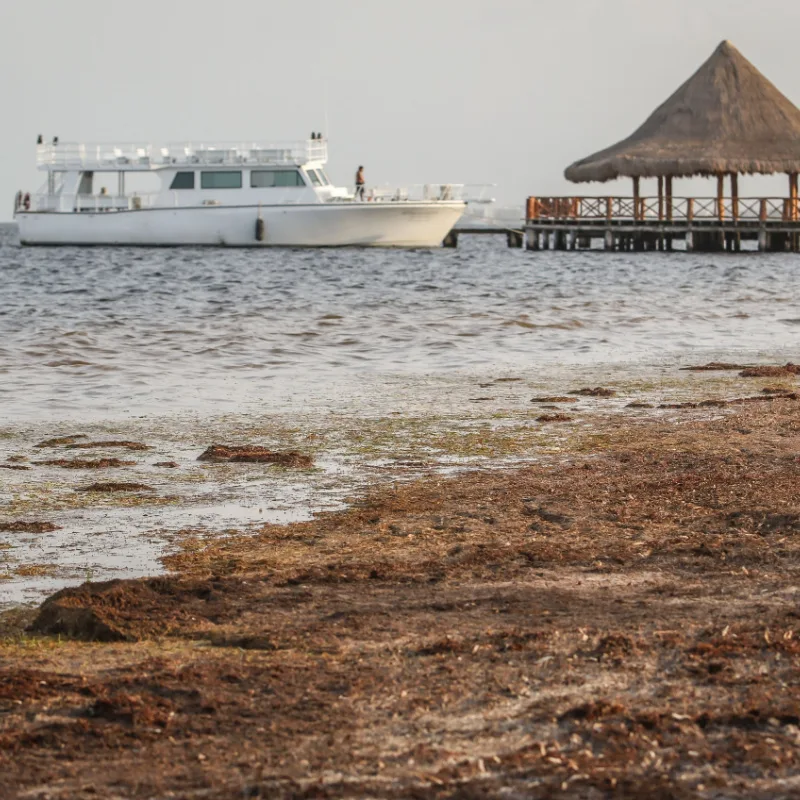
(137, 156)
(424, 192)
(76, 156)
(71, 203)
(427, 192)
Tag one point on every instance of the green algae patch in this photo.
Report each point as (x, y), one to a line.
(35, 570)
(61, 498)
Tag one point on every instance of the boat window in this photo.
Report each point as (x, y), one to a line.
(325, 179)
(289, 177)
(183, 180)
(220, 180)
(315, 179)
(262, 178)
(267, 178)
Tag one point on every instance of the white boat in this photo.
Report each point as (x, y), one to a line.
(236, 195)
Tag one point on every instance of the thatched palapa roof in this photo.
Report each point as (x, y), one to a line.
(726, 118)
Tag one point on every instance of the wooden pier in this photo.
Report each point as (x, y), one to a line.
(514, 236)
(705, 224)
(725, 121)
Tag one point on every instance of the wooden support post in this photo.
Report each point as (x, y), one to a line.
(735, 196)
(689, 241)
(532, 240)
(668, 188)
(762, 210)
(636, 198)
(793, 197)
(531, 209)
(514, 238)
(762, 239)
(573, 238)
(720, 197)
(660, 198)
(609, 209)
(689, 209)
(608, 241)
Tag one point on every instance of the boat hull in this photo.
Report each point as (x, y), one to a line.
(401, 224)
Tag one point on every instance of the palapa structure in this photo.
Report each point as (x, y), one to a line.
(727, 119)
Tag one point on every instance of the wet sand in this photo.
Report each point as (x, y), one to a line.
(618, 618)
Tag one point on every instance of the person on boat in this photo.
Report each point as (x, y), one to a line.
(26, 201)
(360, 184)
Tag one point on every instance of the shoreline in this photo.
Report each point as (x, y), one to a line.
(618, 617)
(397, 431)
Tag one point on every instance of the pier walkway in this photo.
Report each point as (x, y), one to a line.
(707, 224)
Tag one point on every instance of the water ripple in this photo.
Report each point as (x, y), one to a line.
(140, 328)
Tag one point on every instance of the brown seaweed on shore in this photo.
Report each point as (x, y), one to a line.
(553, 418)
(169, 464)
(554, 399)
(617, 623)
(768, 371)
(79, 463)
(61, 440)
(98, 611)
(597, 391)
(18, 467)
(112, 486)
(715, 366)
(23, 526)
(715, 403)
(749, 370)
(112, 443)
(241, 454)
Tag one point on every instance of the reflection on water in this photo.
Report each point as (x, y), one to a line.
(121, 331)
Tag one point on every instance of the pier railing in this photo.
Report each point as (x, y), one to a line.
(620, 210)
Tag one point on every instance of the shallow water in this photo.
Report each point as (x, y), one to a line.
(119, 331)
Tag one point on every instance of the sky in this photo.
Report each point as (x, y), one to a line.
(503, 92)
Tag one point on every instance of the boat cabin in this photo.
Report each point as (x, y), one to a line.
(102, 177)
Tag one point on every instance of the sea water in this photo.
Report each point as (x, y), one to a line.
(115, 332)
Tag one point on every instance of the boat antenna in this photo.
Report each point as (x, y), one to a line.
(325, 107)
